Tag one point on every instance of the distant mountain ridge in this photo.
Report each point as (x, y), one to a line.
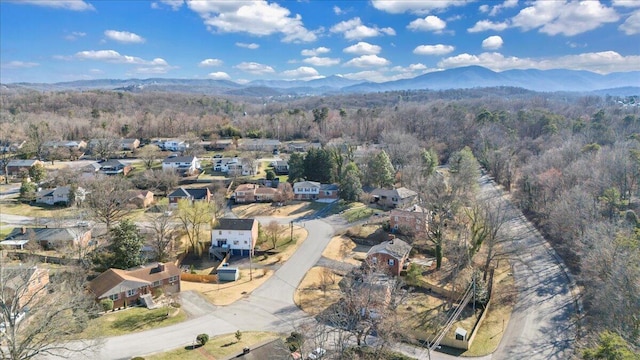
(457, 78)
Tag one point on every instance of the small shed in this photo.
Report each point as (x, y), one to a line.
(228, 274)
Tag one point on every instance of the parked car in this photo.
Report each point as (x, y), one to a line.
(317, 353)
(217, 156)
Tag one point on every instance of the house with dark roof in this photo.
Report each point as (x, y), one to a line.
(394, 253)
(115, 167)
(198, 194)
(235, 236)
(183, 165)
(51, 236)
(125, 287)
(394, 198)
(16, 167)
(281, 167)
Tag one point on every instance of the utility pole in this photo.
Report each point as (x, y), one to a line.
(251, 261)
(291, 228)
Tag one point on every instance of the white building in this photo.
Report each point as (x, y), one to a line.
(184, 165)
(235, 236)
(174, 145)
(306, 190)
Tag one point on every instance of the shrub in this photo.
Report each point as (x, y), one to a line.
(157, 292)
(238, 335)
(294, 341)
(137, 358)
(106, 304)
(202, 339)
(270, 174)
(192, 269)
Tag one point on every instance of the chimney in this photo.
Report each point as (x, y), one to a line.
(23, 230)
(160, 267)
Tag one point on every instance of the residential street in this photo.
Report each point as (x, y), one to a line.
(541, 325)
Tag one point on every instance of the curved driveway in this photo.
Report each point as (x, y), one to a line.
(541, 325)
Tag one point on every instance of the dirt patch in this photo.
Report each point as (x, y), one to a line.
(228, 293)
(342, 248)
(258, 209)
(318, 290)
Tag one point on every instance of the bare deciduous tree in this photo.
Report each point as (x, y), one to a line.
(107, 199)
(195, 217)
(272, 232)
(164, 233)
(56, 309)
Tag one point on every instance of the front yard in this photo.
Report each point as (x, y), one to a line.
(130, 320)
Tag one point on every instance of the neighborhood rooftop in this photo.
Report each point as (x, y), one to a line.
(235, 224)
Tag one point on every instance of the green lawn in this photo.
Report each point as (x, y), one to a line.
(357, 213)
(219, 347)
(131, 320)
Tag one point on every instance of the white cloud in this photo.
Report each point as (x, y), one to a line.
(258, 18)
(631, 26)
(505, 5)
(220, 75)
(337, 10)
(562, 17)
(438, 49)
(96, 71)
(321, 61)
(601, 62)
(251, 46)
(19, 65)
(73, 5)
(75, 35)
(315, 52)
(112, 56)
(415, 6)
(484, 8)
(174, 4)
(210, 63)
(302, 73)
(124, 37)
(368, 61)
(429, 23)
(255, 68)
(492, 43)
(354, 29)
(626, 3)
(484, 25)
(153, 70)
(363, 48)
(410, 68)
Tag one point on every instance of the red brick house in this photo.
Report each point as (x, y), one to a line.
(412, 220)
(394, 253)
(125, 287)
(245, 193)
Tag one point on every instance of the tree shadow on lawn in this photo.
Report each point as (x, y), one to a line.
(138, 321)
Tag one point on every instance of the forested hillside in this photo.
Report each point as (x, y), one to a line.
(572, 162)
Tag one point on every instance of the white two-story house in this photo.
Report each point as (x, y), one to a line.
(184, 165)
(235, 236)
(173, 145)
(306, 190)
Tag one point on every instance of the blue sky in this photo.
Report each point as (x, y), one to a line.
(377, 40)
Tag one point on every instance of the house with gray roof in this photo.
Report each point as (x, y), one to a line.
(16, 167)
(394, 198)
(393, 253)
(52, 236)
(235, 236)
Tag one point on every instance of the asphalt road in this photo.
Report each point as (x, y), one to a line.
(541, 325)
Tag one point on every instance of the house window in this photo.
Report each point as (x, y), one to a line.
(132, 292)
(236, 242)
(173, 279)
(114, 297)
(245, 242)
(374, 260)
(220, 232)
(392, 262)
(157, 283)
(396, 218)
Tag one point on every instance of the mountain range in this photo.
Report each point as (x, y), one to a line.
(623, 83)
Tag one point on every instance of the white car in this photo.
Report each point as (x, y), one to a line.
(317, 353)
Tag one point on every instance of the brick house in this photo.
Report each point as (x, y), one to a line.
(125, 287)
(27, 283)
(129, 144)
(16, 167)
(237, 236)
(412, 220)
(394, 253)
(306, 190)
(142, 199)
(115, 167)
(245, 193)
